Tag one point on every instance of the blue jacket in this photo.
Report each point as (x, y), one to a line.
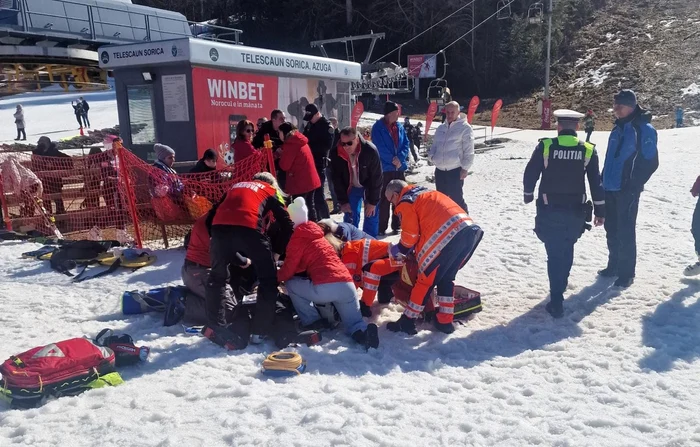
(632, 155)
(679, 113)
(349, 232)
(386, 148)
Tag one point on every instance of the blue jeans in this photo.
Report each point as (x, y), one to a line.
(343, 295)
(371, 224)
(559, 229)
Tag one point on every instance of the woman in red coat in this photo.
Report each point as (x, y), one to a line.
(242, 146)
(329, 281)
(298, 162)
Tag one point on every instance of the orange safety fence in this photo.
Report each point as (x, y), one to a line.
(112, 195)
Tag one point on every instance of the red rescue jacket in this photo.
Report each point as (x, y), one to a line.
(247, 203)
(198, 248)
(308, 251)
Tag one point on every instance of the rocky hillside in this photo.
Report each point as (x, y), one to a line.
(651, 46)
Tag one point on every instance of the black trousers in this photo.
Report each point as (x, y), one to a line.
(21, 133)
(620, 226)
(696, 227)
(321, 206)
(413, 150)
(589, 132)
(385, 208)
(449, 183)
(559, 228)
(226, 240)
(310, 199)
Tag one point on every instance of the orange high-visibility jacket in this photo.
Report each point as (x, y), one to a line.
(429, 221)
(356, 254)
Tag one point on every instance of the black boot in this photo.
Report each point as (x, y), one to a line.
(608, 272)
(365, 310)
(445, 328)
(555, 308)
(404, 324)
(369, 338)
(624, 282)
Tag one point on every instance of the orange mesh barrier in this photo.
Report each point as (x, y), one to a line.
(111, 195)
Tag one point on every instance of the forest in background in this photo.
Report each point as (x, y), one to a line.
(502, 57)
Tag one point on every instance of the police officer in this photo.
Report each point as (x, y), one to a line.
(562, 206)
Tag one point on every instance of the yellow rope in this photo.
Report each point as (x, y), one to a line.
(283, 361)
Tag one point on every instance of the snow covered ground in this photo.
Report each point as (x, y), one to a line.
(51, 114)
(621, 369)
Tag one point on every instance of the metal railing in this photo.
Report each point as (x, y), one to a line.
(88, 18)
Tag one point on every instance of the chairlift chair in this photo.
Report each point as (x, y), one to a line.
(439, 92)
(503, 10)
(535, 13)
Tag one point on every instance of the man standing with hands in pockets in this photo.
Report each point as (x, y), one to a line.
(392, 144)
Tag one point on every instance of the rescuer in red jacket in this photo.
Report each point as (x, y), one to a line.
(237, 227)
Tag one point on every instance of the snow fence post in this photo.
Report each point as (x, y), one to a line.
(130, 197)
(5, 210)
(270, 162)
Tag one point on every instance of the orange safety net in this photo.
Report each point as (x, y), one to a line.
(111, 195)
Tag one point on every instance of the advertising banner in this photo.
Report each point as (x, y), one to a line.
(495, 112)
(421, 66)
(546, 114)
(222, 99)
(429, 116)
(473, 105)
(357, 112)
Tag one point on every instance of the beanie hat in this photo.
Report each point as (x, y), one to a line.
(298, 211)
(309, 111)
(389, 107)
(162, 151)
(626, 98)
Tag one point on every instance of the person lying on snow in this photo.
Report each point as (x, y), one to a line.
(237, 227)
(369, 263)
(342, 230)
(328, 282)
(443, 237)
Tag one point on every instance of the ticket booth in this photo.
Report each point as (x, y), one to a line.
(191, 93)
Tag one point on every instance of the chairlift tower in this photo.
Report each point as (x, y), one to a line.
(546, 115)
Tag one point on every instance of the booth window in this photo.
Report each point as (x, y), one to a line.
(141, 120)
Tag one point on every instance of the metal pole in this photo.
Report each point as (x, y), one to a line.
(549, 50)
(201, 10)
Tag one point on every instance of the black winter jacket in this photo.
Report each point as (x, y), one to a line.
(321, 135)
(369, 172)
(267, 129)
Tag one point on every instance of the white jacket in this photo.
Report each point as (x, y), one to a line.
(453, 146)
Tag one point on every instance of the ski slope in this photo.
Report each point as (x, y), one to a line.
(620, 369)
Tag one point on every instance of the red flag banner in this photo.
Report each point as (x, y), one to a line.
(430, 114)
(546, 114)
(400, 109)
(494, 113)
(473, 105)
(356, 113)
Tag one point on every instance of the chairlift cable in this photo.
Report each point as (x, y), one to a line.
(425, 31)
(471, 30)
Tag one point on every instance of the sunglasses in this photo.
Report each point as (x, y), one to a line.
(346, 144)
(249, 130)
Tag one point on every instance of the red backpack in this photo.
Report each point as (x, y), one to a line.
(65, 368)
(467, 302)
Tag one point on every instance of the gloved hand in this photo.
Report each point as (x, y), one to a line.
(527, 198)
(394, 251)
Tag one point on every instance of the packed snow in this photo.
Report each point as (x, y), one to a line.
(692, 90)
(620, 369)
(593, 77)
